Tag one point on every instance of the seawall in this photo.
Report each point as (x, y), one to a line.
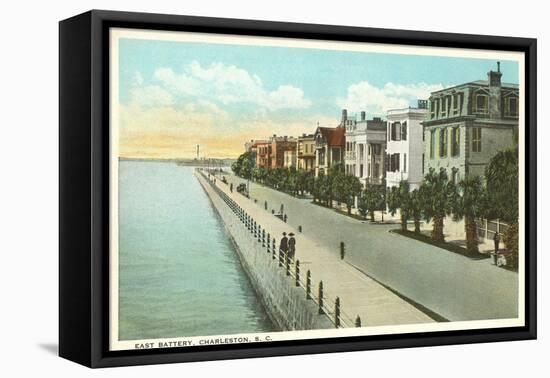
(286, 303)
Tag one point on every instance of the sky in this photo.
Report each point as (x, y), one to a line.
(174, 95)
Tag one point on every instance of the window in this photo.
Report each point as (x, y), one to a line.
(444, 106)
(432, 144)
(360, 170)
(455, 141)
(432, 108)
(404, 131)
(455, 104)
(442, 142)
(404, 162)
(476, 139)
(376, 149)
(396, 131)
(511, 106)
(394, 162)
(481, 104)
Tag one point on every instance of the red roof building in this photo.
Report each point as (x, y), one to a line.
(329, 147)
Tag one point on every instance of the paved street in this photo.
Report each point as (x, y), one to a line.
(453, 286)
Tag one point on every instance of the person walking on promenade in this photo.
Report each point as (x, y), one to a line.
(283, 247)
(231, 187)
(291, 246)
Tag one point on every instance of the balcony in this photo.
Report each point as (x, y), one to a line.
(350, 155)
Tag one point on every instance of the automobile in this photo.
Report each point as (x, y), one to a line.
(241, 188)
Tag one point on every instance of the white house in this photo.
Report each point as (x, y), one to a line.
(365, 146)
(405, 147)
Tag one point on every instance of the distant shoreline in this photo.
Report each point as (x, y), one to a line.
(185, 162)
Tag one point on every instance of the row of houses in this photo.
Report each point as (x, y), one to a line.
(457, 129)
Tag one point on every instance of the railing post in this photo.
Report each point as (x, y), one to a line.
(358, 321)
(297, 273)
(308, 284)
(263, 237)
(268, 243)
(274, 249)
(281, 257)
(320, 298)
(287, 263)
(337, 312)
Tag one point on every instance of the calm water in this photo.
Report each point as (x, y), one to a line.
(179, 273)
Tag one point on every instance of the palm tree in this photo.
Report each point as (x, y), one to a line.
(319, 188)
(470, 205)
(373, 199)
(437, 194)
(338, 186)
(353, 189)
(400, 198)
(416, 209)
(501, 175)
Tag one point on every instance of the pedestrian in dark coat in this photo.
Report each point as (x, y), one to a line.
(496, 239)
(291, 246)
(283, 248)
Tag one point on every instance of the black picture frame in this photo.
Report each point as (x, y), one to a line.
(84, 186)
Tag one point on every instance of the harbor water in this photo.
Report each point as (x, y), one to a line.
(179, 274)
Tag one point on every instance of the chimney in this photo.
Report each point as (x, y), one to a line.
(363, 115)
(344, 115)
(494, 78)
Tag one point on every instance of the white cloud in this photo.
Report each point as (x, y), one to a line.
(150, 95)
(377, 101)
(228, 84)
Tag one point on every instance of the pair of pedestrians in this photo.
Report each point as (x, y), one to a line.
(287, 246)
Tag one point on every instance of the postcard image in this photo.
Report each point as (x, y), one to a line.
(269, 189)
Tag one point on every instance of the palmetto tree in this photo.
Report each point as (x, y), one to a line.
(373, 199)
(438, 194)
(501, 175)
(470, 204)
(399, 197)
(415, 210)
(352, 190)
(320, 188)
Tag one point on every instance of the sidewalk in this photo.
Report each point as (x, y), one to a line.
(359, 295)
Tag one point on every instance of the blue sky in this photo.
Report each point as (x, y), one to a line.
(234, 86)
